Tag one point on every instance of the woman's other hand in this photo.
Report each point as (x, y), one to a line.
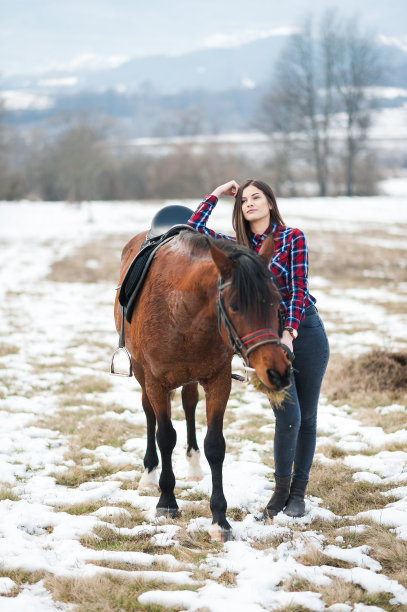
(229, 188)
(286, 339)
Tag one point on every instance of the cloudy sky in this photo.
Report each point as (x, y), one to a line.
(36, 36)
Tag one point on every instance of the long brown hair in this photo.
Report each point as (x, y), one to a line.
(240, 225)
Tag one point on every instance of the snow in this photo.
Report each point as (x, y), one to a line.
(43, 320)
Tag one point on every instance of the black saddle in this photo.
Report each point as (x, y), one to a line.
(167, 223)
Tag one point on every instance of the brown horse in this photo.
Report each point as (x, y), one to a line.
(200, 302)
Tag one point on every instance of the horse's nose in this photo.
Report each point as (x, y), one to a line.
(279, 381)
(275, 379)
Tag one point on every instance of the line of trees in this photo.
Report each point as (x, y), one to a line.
(319, 91)
(317, 115)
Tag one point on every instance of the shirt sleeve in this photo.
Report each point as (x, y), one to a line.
(298, 282)
(201, 215)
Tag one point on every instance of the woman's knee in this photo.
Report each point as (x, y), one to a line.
(287, 423)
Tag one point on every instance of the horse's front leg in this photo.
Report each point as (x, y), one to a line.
(217, 394)
(190, 397)
(149, 477)
(166, 440)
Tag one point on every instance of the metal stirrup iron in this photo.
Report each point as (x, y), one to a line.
(121, 360)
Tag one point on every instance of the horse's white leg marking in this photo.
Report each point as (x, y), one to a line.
(194, 465)
(149, 480)
(218, 534)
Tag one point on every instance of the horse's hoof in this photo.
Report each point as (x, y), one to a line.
(219, 534)
(167, 512)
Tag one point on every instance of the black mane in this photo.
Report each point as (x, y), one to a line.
(253, 292)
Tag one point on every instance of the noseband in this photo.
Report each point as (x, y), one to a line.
(239, 344)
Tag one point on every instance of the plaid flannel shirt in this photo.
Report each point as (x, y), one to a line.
(289, 264)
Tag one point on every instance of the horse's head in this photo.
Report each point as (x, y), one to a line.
(248, 304)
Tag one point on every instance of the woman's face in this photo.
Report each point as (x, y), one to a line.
(255, 207)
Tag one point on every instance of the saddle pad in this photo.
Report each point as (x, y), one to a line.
(137, 271)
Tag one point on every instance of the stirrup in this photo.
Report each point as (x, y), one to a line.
(121, 360)
(121, 363)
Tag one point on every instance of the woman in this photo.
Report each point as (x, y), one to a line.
(255, 215)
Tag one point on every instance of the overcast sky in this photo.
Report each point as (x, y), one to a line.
(44, 34)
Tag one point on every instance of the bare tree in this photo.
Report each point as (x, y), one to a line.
(319, 74)
(78, 161)
(357, 66)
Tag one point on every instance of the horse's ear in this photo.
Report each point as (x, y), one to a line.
(267, 249)
(224, 264)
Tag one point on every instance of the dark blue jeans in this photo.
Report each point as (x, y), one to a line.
(296, 423)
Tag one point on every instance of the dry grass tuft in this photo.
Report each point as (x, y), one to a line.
(76, 475)
(237, 514)
(80, 509)
(340, 591)
(377, 377)
(340, 493)
(105, 538)
(332, 451)
(105, 593)
(6, 492)
(227, 579)
(192, 511)
(85, 384)
(276, 398)
(387, 549)
(20, 577)
(315, 557)
(391, 422)
(98, 431)
(8, 349)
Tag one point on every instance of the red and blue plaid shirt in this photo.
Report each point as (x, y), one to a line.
(289, 264)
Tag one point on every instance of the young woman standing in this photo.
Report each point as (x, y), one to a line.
(255, 215)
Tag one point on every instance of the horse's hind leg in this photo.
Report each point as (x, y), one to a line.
(190, 397)
(149, 478)
(166, 440)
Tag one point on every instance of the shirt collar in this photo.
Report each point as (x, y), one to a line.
(271, 229)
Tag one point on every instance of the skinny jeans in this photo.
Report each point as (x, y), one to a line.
(296, 422)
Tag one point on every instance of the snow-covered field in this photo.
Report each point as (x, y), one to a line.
(56, 339)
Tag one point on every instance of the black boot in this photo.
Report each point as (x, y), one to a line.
(296, 504)
(279, 498)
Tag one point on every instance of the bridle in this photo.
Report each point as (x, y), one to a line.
(240, 344)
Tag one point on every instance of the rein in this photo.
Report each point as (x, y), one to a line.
(239, 344)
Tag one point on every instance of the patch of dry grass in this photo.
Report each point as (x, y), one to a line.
(346, 260)
(315, 557)
(340, 591)
(340, 493)
(20, 577)
(376, 378)
(105, 593)
(98, 431)
(84, 385)
(80, 509)
(104, 538)
(6, 492)
(192, 511)
(95, 261)
(386, 548)
(8, 349)
(76, 475)
(390, 423)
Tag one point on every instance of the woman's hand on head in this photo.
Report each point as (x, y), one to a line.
(229, 188)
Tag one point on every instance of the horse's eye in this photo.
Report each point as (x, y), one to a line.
(234, 307)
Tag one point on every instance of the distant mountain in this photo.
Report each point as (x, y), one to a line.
(209, 70)
(204, 91)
